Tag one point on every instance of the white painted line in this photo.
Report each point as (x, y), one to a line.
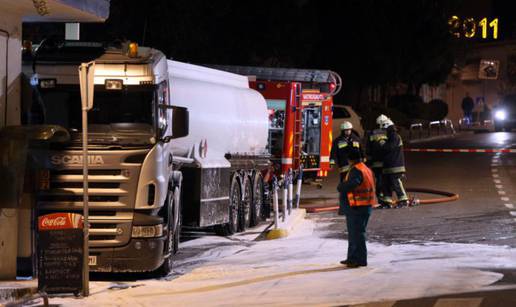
(501, 192)
(513, 213)
(497, 181)
(499, 186)
(494, 170)
(496, 175)
(510, 206)
(504, 198)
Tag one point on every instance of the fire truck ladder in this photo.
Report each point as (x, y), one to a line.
(298, 133)
(286, 74)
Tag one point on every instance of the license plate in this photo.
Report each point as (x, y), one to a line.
(92, 260)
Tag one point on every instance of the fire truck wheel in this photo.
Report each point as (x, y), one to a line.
(257, 204)
(245, 205)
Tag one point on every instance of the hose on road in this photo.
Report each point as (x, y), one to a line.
(447, 197)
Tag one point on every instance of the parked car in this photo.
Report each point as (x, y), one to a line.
(504, 114)
(346, 113)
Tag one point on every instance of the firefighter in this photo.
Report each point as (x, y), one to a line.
(358, 189)
(374, 154)
(393, 165)
(341, 146)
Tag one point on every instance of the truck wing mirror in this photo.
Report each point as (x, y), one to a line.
(180, 122)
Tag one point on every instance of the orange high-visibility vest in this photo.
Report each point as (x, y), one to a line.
(364, 194)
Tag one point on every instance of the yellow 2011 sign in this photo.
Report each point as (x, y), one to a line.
(469, 26)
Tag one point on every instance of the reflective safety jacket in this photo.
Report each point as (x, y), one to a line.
(374, 147)
(393, 158)
(339, 151)
(359, 186)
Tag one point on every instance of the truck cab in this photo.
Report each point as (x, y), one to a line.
(133, 186)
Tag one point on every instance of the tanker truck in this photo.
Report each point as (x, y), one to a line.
(152, 162)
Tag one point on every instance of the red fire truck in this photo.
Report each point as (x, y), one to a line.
(300, 114)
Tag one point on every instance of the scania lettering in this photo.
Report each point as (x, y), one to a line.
(57, 160)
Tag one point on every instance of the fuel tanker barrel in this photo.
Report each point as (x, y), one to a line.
(225, 115)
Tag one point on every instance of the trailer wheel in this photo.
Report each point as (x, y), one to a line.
(257, 204)
(235, 197)
(173, 230)
(246, 204)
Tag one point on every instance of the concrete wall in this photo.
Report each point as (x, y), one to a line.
(10, 42)
(10, 72)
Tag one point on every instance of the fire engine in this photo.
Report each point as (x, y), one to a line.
(300, 105)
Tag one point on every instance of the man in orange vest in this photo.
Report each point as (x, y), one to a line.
(358, 189)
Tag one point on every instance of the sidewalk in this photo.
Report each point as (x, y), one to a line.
(304, 270)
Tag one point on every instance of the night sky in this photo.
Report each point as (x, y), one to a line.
(368, 42)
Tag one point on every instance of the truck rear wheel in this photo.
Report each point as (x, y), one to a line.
(257, 204)
(246, 204)
(235, 197)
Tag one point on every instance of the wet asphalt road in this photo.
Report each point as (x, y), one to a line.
(485, 182)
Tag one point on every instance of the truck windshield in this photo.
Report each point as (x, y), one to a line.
(117, 113)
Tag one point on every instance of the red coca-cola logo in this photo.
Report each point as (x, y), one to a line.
(56, 222)
(60, 221)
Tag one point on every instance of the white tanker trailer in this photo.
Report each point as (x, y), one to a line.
(228, 127)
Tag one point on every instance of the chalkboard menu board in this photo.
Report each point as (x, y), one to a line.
(60, 253)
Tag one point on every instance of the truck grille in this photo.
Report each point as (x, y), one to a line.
(112, 188)
(107, 188)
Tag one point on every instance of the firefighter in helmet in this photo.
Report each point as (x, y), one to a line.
(374, 153)
(341, 146)
(393, 165)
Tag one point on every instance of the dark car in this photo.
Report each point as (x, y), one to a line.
(504, 114)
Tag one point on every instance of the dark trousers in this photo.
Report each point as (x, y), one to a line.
(392, 183)
(377, 171)
(356, 221)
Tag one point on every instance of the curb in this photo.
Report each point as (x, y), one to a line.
(12, 291)
(287, 227)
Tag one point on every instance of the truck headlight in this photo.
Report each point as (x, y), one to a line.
(147, 231)
(501, 115)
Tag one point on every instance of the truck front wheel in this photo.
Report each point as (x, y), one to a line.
(173, 230)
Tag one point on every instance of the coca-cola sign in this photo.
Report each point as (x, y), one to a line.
(60, 221)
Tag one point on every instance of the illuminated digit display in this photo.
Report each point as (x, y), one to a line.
(468, 27)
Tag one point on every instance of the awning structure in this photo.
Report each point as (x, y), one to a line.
(57, 10)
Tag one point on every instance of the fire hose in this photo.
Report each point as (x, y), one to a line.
(446, 197)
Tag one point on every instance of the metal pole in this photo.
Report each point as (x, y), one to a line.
(275, 202)
(86, 78)
(290, 190)
(85, 208)
(285, 195)
(299, 182)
